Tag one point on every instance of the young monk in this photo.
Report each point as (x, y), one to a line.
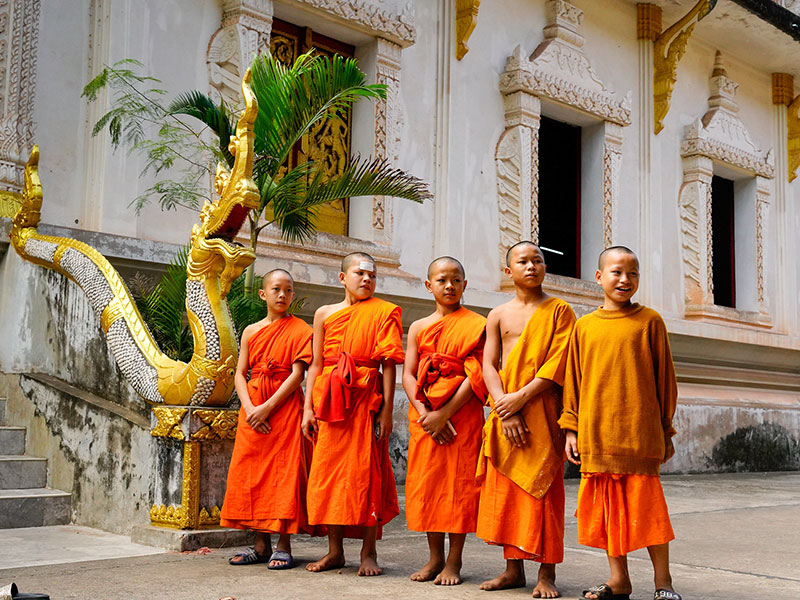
(443, 378)
(268, 472)
(521, 463)
(348, 409)
(620, 396)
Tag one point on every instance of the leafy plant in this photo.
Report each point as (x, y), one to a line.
(162, 306)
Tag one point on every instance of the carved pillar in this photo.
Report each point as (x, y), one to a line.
(762, 206)
(245, 30)
(19, 33)
(612, 164)
(695, 208)
(517, 169)
(386, 130)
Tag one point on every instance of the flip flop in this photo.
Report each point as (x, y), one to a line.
(662, 594)
(10, 592)
(283, 556)
(604, 592)
(248, 557)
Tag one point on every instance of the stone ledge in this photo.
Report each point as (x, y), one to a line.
(181, 540)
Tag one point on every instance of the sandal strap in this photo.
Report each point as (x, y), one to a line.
(666, 595)
(601, 591)
(249, 557)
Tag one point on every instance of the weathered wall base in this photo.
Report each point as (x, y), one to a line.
(103, 459)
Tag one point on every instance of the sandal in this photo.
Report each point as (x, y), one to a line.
(10, 592)
(284, 557)
(248, 557)
(604, 592)
(662, 594)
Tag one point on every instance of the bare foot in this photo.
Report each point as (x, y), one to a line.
(369, 567)
(429, 571)
(326, 563)
(450, 575)
(546, 583)
(506, 581)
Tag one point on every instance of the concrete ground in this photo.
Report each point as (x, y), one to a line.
(737, 537)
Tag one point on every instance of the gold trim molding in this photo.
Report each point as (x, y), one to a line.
(168, 422)
(783, 93)
(668, 48)
(466, 20)
(217, 425)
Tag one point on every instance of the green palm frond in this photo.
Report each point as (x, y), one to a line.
(163, 309)
(295, 197)
(292, 99)
(200, 106)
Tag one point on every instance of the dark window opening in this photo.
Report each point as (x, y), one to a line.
(560, 197)
(722, 233)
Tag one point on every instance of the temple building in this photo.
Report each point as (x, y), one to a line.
(670, 127)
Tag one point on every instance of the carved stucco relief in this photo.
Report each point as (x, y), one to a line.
(558, 70)
(719, 136)
(19, 33)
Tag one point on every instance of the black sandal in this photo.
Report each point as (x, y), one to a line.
(662, 594)
(11, 592)
(248, 557)
(604, 592)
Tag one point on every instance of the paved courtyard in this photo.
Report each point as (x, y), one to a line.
(737, 537)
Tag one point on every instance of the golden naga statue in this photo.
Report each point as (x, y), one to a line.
(214, 261)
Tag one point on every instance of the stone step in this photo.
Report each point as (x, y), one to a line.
(12, 440)
(36, 507)
(22, 472)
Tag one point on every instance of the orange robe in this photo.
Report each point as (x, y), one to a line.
(441, 490)
(522, 496)
(268, 473)
(351, 480)
(620, 396)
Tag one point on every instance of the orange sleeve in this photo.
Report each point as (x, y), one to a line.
(555, 362)
(304, 352)
(389, 345)
(572, 385)
(473, 366)
(666, 385)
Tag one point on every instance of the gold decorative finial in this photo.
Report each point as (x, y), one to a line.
(466, 20)
(668, 49)
(783, 93)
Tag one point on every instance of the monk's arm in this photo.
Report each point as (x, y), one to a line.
(287, 388)
(385, 414)
(309, 422)
(410, 367)
(491, 356)
(240, 383)
(513, 402)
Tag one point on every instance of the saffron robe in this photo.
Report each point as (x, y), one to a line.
(441, 490)
(620, 396)
(268, 473)
(622, 513)
(522, 493)
(351, 480)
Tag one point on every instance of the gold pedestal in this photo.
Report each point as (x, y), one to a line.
(194, 427)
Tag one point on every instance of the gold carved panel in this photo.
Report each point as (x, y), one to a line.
(328, 141)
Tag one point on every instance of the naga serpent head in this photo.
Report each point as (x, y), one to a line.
(212, 247)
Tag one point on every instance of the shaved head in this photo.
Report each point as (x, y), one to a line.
(520, 245)
(268, 276)
(442, 260)
(355, 257)
(622, 249)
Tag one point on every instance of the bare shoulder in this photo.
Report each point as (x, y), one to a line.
(253, 328)
(498, 312)
(424, 322)
(326, 310)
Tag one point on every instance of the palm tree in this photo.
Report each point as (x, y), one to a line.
(291, 100)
